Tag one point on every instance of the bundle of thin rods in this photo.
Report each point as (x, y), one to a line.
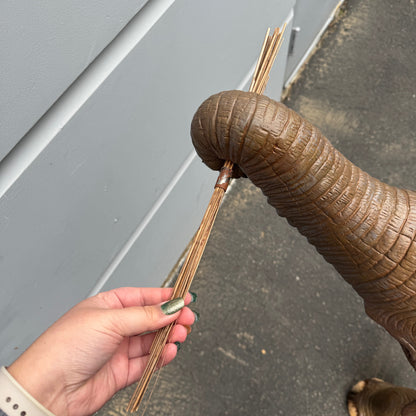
(183, 283)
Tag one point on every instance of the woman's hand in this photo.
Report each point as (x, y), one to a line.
(97, 348)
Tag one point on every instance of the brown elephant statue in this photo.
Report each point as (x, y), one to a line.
(365, 228)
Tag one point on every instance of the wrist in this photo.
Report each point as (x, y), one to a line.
(15, 400)
(36, 380)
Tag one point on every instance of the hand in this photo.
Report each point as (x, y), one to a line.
(96, 349)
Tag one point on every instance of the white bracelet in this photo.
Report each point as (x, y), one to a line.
(16, 401)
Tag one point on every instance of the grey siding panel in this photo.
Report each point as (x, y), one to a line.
(44, 46)
(69, 215)
(311, 17)
(160, 245)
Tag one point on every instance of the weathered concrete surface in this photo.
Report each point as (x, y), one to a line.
(280, 332)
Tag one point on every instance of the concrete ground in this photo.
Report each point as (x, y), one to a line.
(280, 332)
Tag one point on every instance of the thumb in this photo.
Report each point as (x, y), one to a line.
(135, 320)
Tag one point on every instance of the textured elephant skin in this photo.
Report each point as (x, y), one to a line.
(362, 226)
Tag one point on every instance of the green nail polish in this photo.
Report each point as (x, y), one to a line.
(196, 314)
(173, 306)
(178, 345)
(193, 297)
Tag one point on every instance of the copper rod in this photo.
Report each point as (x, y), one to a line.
(269, 50)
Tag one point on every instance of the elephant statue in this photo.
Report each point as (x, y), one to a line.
(365, 228)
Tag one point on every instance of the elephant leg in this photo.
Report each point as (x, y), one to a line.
(375, 397)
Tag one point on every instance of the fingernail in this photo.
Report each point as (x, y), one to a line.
(193, 297)
(178, 345)
(196, 314)
(173, 306)
(188, 329)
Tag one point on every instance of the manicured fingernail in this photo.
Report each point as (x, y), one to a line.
(196, 314)
(193, 297)
(173, 306)
(188, 329)
(178, 345)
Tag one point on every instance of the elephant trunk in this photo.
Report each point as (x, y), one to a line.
(362, 226)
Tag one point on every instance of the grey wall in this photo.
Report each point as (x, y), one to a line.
(310, 20)
(99, 184)
(44, 46)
